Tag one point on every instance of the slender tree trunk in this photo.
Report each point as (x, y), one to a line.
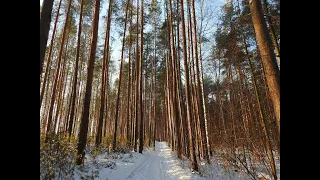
(133, 117)
(183, 123)
(155, 87)
(74, 94)
(120, 78)
(150, 109)
(200, 98)
(133, 103)
(263, 124)
(44, 117)
(69, 100)
(174, 89)
(140, 89)
(45, 20)
(201, 77)
(129, 82)
(64, 96)
(271, 29)
(86, 104)
(53, 95)
(62, 88)
(193, 159)
(107, 92)
(262, 114)
(193, 89)
(267, 55)
(137, 81)
(103, 82)
(49, 54)
(80, 92)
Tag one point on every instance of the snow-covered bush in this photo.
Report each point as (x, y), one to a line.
(56, 157)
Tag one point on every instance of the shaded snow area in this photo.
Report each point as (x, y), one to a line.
(222, 167)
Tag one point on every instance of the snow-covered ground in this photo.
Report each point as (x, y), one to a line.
(160, 164)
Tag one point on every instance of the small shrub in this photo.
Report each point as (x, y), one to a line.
(56, 157)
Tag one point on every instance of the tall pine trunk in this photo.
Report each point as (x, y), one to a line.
(74, 87)
(45, 20)
(140, 84)
(104, 75)
(271, 29)
(114, 145)
(49, 54)
(200, 98)
(129, 84)
(267, 56)
(262, 113)
(193, 159)
(53, 94)
(86, 104)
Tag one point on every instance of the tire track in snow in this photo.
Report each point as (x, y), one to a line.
(161, 169)
(161, 165)
(139, 168)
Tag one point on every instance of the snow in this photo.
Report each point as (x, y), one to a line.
(161, 164)
(158, 164)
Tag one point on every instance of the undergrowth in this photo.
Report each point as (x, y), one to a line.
(58, 155)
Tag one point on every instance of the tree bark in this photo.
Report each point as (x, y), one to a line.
(140, 89)
(272, 31)
(129, 83)
(137, 81)
(104, 75)
(267, 56)
(200, 98)
(193, 159)
(262, 114)
(49, 54)
(86, 104)
(53, 95)
(114, 145)
(74, 93)
(45, 20)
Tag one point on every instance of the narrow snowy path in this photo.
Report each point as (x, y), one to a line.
(161, 165)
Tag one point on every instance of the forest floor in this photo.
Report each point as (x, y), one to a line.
(161, 164)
